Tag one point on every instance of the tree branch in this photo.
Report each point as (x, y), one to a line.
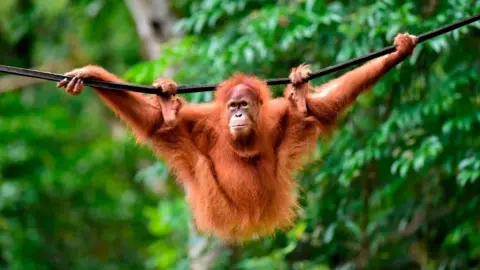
(154, 23)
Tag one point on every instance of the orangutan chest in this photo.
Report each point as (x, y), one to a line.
(244, 179)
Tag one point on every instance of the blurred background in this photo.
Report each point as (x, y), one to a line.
(396, 187)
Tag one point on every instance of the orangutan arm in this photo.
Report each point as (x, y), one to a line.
(143, 114)
(332, 98)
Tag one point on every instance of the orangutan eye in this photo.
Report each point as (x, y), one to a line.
(244, 104)
(232, 105)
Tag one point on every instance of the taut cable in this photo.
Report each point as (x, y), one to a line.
(182, 89)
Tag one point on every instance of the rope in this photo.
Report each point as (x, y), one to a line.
(183, 89)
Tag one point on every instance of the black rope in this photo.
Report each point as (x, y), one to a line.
(182, 89)
(421, 38)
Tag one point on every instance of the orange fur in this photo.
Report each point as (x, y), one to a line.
(258, 87)
(235, 195)
(238, 193)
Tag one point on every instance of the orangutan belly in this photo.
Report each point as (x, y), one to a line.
(243, 199)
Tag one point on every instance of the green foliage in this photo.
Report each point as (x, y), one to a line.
(396, 186)
(67, 199)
